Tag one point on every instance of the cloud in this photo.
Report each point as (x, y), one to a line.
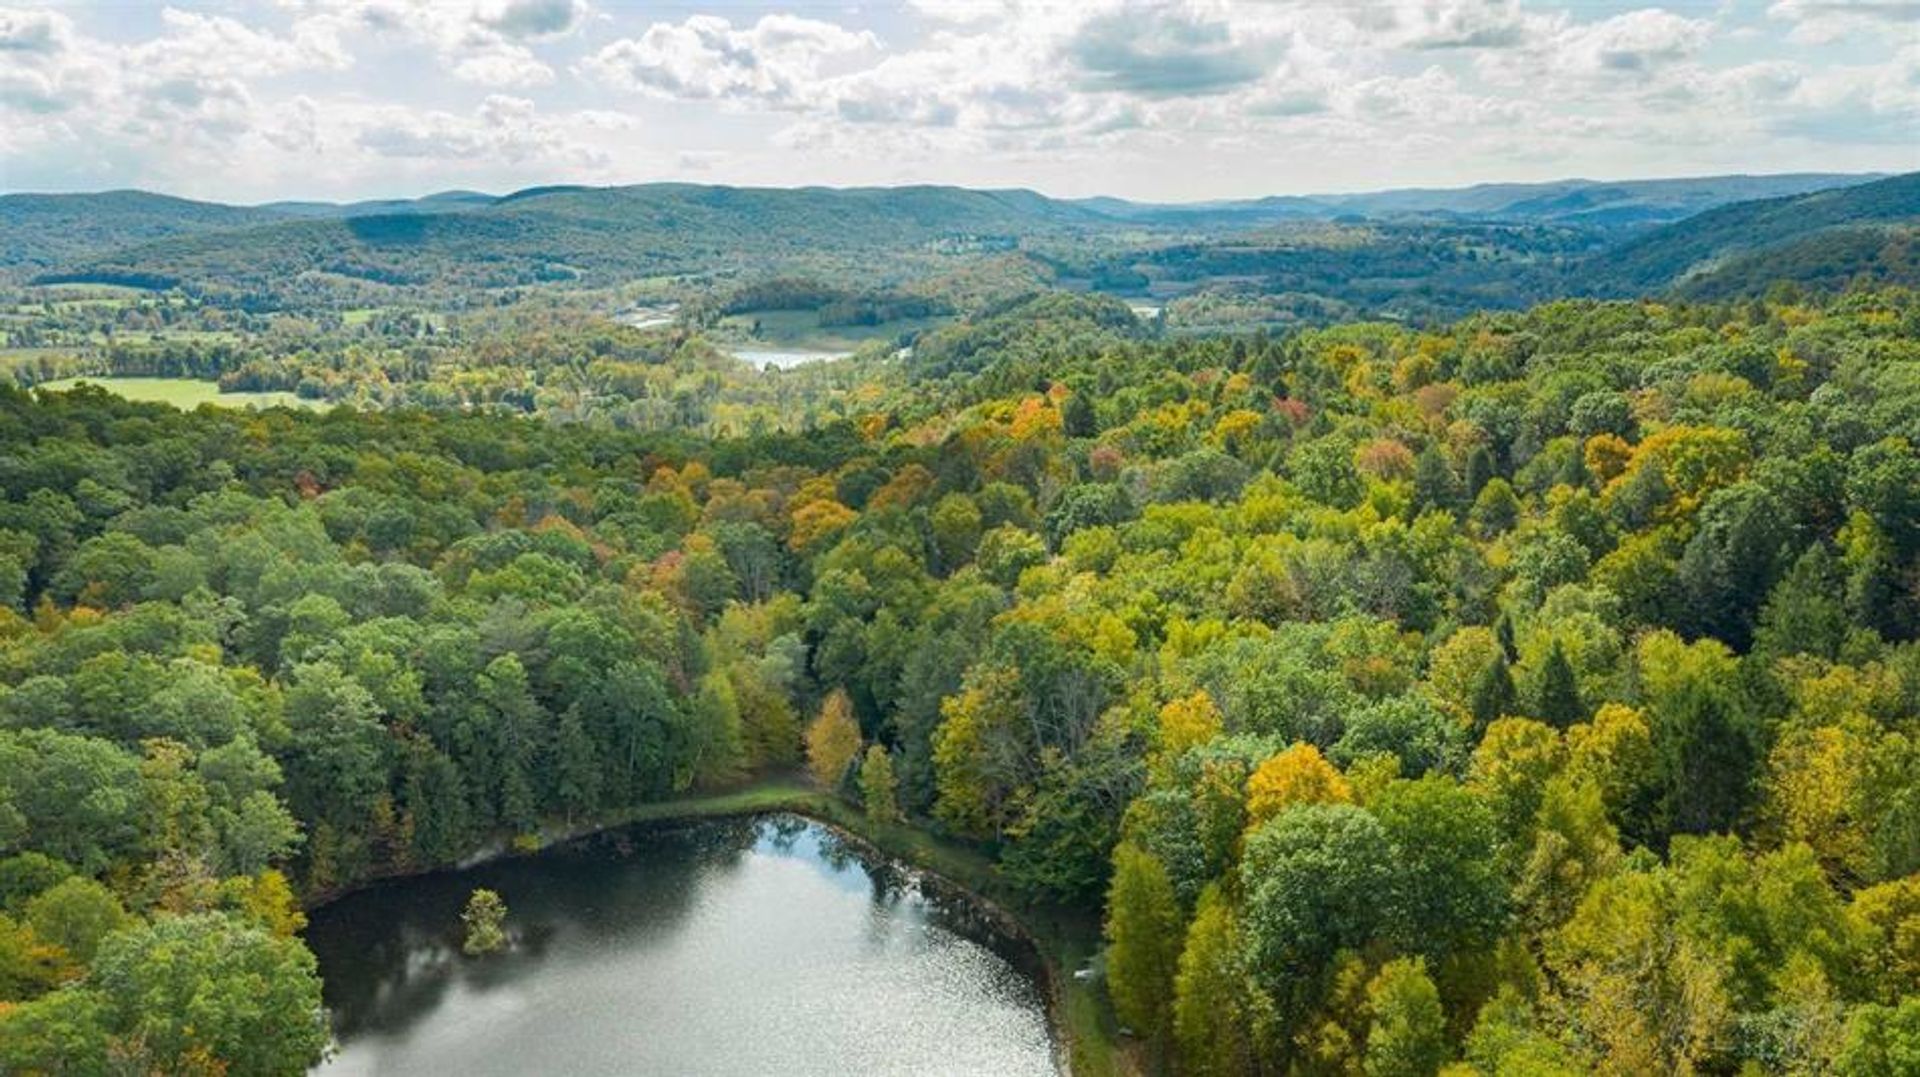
(1167, 52)
(1632, 43)
(479, 41)
(532, 20)
(1819, 21)
(1100, 92)
(1463, 24)
(38, 33)
(777, 61)
(185, 108)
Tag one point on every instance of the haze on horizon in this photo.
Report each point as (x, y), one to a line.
(1165, 100)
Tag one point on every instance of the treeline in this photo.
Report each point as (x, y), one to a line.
(832, 305)
(1533, 695)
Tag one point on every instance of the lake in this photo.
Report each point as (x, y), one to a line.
(783, 358)
(747, 946)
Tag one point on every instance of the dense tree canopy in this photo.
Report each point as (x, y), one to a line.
(1534, 694)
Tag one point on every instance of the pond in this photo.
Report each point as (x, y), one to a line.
(747, 946)
(783, 358)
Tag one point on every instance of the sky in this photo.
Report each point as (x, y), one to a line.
(1167, 100)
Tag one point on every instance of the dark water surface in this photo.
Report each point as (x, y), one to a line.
(737, 947)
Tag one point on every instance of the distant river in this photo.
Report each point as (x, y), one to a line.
(737, 947)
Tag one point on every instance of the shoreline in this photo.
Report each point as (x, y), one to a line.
(1084, 1046)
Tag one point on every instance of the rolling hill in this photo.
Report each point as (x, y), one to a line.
(560, 234)
(1742, 247)
(40, 231)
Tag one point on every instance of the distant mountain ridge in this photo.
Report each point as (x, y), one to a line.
(1611, 202)
(441, 202)
(472, 240)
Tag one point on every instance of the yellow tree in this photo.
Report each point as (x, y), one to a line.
(1648, 997)
(1512, 766)
(833, 739)
(1188, 722)
(1816, 785)
(970, 752)
(1299, 775)
(1614, 750)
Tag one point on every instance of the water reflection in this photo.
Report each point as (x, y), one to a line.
(766, 946)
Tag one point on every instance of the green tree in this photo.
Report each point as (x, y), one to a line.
(1143, 942)
(1407, 1030)
(1496, 510)
(62, 1032)
(1737, 552)
(1881, 1041)
(1314, 878)
(879, 791)
(1806, 612)
(576, 770)
(187, 991)
(1706, 761)
(74, 798)
(1481, 470)
(1434, 484)
(1448, 897)
(1214, 1023)
(76, 915)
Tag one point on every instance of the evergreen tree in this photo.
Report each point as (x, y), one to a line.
(1640, 497)
(1480, 470)
(1558, 700)
(1434, 485)
(1077, 418)
(1705, 763)
(576, 768)
(1737, 552)
(1493, 692)
(1807, 611)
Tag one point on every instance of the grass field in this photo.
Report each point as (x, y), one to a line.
(183, 393)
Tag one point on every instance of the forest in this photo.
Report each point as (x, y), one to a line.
(1532, 694)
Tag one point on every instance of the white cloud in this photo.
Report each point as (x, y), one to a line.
(777, 61)
(34, 33)
(1634, 43)
(1819, 21)
(1461, 24)
(479, 41)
